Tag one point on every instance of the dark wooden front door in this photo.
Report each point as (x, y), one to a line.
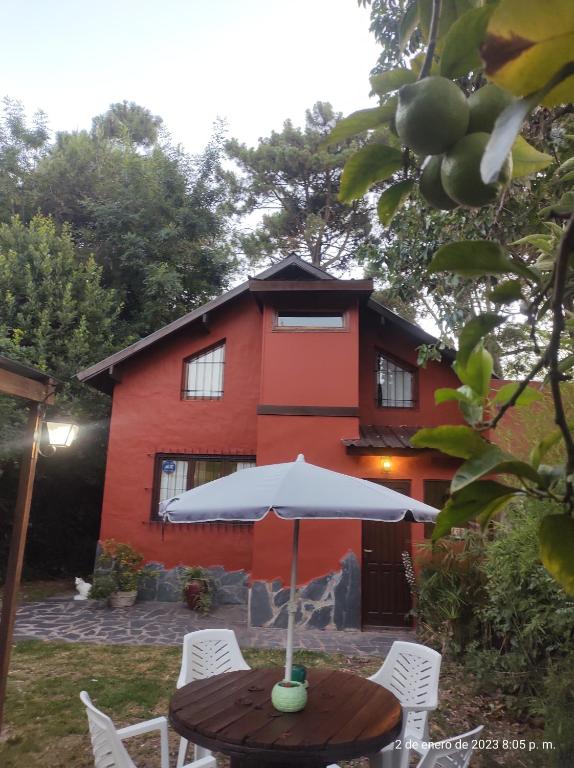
(386, 598)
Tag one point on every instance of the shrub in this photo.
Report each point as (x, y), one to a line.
(118, 569)
(450, 590)
(559, 711)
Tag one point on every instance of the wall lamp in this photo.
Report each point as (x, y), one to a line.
(386, 464)
(60, 434)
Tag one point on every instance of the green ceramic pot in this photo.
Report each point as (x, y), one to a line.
(289, 697)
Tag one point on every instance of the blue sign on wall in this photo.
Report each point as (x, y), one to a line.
(168, 466)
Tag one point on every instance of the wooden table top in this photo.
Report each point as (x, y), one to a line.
(346, 716)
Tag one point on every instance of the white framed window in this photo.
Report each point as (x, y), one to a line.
(203, 375)
(396, 384)
(315, 321)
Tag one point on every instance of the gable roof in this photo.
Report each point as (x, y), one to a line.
(292, 267)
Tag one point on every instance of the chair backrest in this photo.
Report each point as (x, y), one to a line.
(109, 752)
(209, 652)
(451, 753)
(411, 672)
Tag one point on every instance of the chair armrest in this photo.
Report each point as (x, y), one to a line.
(157, 724)
(420, 707)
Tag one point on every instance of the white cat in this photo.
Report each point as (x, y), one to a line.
(83, 589)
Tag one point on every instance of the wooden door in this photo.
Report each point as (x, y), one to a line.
(386, 597)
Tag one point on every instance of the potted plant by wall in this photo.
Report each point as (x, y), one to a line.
(118, 568)
(197, 589)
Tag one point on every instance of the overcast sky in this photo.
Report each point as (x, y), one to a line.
(252, 62)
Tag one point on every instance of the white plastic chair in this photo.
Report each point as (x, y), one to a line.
(207, 652)
(109, 752)
(411, 673)
(451, 753)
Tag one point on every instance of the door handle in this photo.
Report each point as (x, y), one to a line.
(368, 550)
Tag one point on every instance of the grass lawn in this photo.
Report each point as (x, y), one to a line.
(46, 727)
(32, 591)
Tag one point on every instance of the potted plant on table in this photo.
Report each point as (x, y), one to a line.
(197, 589)
(118, 569)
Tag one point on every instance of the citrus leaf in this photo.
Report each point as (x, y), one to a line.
(461, 53)
(477, 498)
(391, 80)
(409, 23)
(568, 176)
(507, 392)
(544, 243)
(546, 444)
(391, 199)
(567, 165)
(506, 292)
(527, 42)
(454, 440)
(477, 371)
(361, 121)
(474, 331)
(492, 461)
(526, 159)
(471, 258)
(372, 163)
(445, 394)
(556, 538)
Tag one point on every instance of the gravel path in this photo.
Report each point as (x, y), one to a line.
(152, 623)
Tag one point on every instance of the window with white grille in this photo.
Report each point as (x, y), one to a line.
(395, 384)
(175, 474)
(203, 378)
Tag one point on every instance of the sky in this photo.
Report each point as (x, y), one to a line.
(252, 62)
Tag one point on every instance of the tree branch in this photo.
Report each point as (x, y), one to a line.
(523, 384)
(427, 64)
(555, 376)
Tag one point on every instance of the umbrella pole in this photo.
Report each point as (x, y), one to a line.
(292, 605)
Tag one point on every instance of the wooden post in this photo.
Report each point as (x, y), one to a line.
(17, 546)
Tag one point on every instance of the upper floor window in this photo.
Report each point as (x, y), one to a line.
(395, 384)
(203, 375)
(312, 320)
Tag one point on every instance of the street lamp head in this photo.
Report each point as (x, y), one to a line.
(61, 434)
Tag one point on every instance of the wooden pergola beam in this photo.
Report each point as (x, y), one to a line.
(22, 386)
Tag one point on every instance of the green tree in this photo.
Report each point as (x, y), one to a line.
(295, 180)
(154, 220)
(127, 120)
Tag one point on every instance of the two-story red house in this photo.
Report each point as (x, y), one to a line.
(292, 361)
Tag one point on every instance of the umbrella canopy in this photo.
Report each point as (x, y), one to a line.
(294, 491)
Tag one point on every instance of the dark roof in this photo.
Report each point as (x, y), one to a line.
(21, 369)
(372, 436)
(292, 267)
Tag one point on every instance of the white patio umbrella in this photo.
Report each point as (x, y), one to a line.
(293, 491)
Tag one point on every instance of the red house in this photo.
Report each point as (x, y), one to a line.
(292, 361)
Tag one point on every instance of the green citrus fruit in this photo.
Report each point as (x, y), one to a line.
(432, 115)
(460, 172)
(431, 187)
(485, 105)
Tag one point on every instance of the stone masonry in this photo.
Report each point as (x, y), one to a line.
(329, 602)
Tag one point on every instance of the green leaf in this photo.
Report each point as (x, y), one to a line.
(477, 372)
(544, 243)
(492, 461)
(506, 393)
(568, 176)
(463, 394)
(474, 331)
(506, 292)
(546, 444)
(526, 159)
(473, 500)
(461, 53)
(391, 80)
(476, 258)
(391, 199)
(375, 162)
(409, 23)
(454, 440)
(556, 537)
(361, 121)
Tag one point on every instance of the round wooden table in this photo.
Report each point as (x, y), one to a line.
(346, 717)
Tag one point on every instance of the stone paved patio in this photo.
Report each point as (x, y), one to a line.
(154, 623)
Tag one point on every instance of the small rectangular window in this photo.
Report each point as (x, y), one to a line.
(310, 320)
(204, 375)
(395, 384)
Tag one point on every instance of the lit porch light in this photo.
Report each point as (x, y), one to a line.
(61, 434)
(386, 464)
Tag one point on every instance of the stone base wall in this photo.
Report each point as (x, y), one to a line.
(230, 587)
(329, 602)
